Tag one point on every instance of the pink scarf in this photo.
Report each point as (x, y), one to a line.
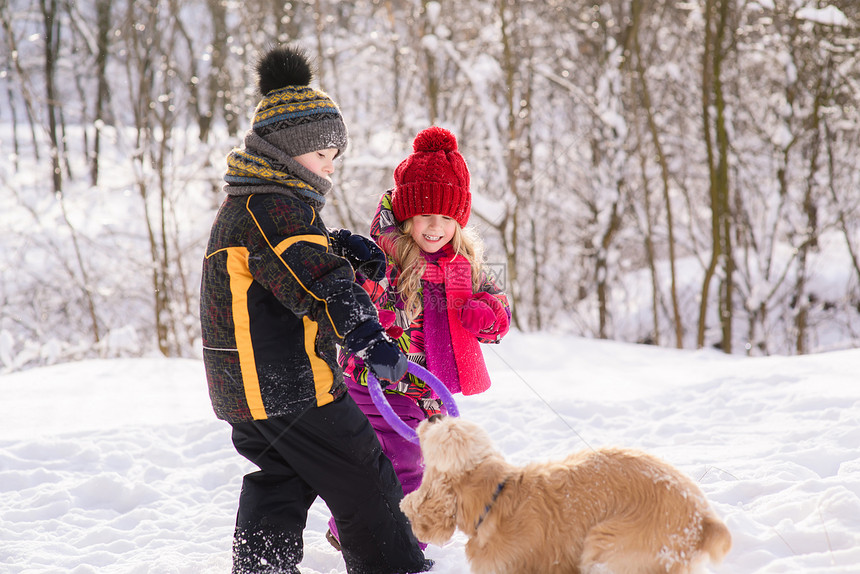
(456, 358)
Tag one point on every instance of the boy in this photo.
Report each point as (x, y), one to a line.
(275, 300)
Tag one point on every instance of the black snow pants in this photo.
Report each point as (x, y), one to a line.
(331, 452)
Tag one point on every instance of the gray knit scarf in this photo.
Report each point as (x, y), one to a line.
(263, 168)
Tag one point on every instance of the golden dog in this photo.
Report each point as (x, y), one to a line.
(596, 512)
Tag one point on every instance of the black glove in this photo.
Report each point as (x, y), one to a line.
(363, 254)
(380, 354)
(386, 361)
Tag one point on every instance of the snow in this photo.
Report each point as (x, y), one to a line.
(829, 15)
(119, 466)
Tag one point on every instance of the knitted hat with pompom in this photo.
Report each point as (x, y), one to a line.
(293, 116)
(434, 179)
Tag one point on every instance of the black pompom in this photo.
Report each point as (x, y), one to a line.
(283, 66)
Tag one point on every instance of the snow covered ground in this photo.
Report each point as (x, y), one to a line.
(119, 466)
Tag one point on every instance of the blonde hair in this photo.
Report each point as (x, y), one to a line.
(407, 257)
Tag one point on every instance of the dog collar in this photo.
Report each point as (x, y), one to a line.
(487, 508)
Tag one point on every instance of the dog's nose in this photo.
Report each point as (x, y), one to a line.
(434, 418)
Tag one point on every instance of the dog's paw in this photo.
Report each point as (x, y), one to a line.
(409, 506)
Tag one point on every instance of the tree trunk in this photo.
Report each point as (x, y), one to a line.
(22, 83)
(103, 28)
(810, 235)
(602, 268)
(52, 24)
(716, 24)
(431, 78)
(653, 130)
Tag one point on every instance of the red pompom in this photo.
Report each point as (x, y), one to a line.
(435, 139)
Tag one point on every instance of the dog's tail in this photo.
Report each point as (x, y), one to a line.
(716, 538)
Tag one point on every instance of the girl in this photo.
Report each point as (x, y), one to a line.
(436, 299)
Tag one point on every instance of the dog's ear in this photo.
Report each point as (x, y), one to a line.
(453, 445)
(431, 509)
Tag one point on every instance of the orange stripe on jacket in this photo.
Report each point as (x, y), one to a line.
(240, 283)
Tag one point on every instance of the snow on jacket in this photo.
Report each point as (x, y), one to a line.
(274, 302)
(409, 335)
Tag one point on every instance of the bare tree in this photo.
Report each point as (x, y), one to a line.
(634, 49)
(717, 26)
(51, 21)
(103, 29)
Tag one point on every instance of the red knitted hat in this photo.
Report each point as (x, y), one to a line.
(434, 179)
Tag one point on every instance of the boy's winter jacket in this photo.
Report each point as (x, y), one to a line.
(411, 336)
(274, 301)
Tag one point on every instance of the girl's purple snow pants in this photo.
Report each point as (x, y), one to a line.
(405, 456)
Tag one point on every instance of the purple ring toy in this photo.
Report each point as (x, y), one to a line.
(388, 413)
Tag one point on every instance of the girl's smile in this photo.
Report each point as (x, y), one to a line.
(432, 231)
